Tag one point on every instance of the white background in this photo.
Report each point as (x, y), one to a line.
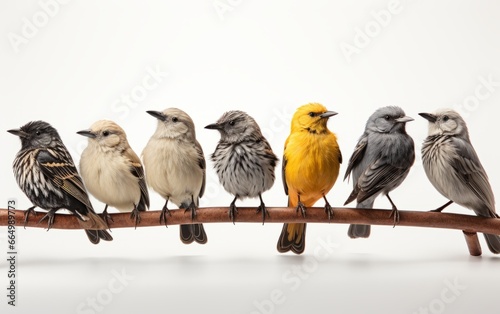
(267, 58)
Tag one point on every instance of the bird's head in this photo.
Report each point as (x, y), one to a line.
(236, 126)
(37, 134)
(173, 123)
(105, 134)
(447, 122)
(312, 117)
(390, 119)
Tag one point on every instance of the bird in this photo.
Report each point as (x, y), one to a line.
(176, 168)
(310, 167)
(45, 172)
(380, 162)
(243, 159)
(453, 167)
(111, 170)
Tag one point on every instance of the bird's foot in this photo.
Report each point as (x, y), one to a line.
(106, 216)
(163, 215)
(329, 211)
(262, 209)
(50, 218)
(395, 213)
(302, 209)
(192, 208)
(27, 213)
(135, 215)
(233, 211)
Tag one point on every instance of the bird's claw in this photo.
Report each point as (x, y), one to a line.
(232, 212)
(163, 215)
(50, 219)
(29, 211)
(135, 214)
(395, 213)
(302, 209)
(107, 217)
(191, 208)
(262, 209)
(329, 211)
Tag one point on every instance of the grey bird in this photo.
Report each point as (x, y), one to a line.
(454, 169)
(45, 171)
(243, 159)
(380, 162)
(175, 167)
(112, 171)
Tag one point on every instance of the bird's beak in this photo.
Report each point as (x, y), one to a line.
(428, 116)
(157, 114)
(18, 132)
(87, 133)
(404, 119)
(328, 114)
(213, 126)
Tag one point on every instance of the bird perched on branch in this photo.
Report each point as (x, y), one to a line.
(380, 162)
(311, 163)
(454, 169)
(175, 167)
(111, 170)
(243, 159)
(45, 171)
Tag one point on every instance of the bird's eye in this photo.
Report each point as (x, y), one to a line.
(231, 122)
(174, 119)
(312, 114)
(446, 118)
(38, 132)
(105, 133)
(387, 117)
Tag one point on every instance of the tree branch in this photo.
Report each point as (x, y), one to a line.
(469, 224)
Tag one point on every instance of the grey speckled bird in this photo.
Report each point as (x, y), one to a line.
(453, 167)
(381, 161)
(175, 167)
(244, 160)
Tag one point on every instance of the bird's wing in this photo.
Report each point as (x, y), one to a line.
(283, 169)
(63, 174)
(203, 166)
(357, 156)
(470, 171)
(137, 170)
(376, 177)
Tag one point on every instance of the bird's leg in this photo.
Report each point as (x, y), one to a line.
(135, 215)
(164, 212)
(107, 217)
(328, 208)
(50, 218)
(301, 207)
(29, 211)
(232, 209)
(262, 208)
(394, 211)
(192, 208)
(440, 209)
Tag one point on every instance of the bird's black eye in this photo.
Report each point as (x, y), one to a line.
(174, 119)
(312, 114)
(446, 118)
(38, 132)
(387, 117)
(105, 133)
(231, 122)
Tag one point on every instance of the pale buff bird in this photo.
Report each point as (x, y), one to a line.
(111, 171)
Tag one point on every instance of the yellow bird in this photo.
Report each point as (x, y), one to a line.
(311, 163)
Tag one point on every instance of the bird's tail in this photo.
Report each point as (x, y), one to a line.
(361, 231)
(292, 238)
(493, 242)
(95, 227)
(193, 232)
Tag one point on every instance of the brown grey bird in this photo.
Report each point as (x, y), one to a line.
(453, 167)
(243, 159)
(45, 171)
(175, 167)
(111, 170)
(380, 162)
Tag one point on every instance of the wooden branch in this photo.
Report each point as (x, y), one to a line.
(469, 224)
